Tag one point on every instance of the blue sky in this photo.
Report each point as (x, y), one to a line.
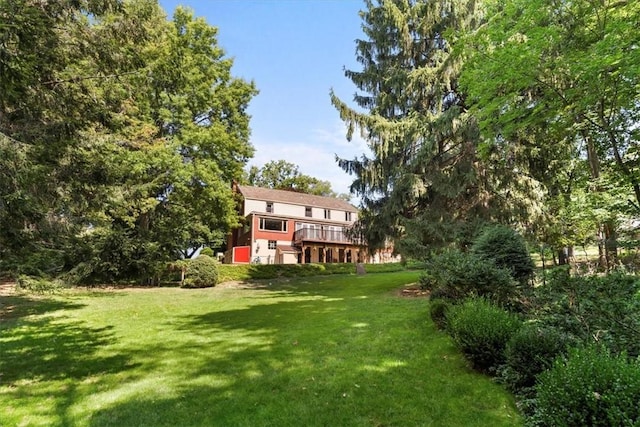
(295, 52)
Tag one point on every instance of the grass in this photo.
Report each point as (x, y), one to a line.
(325, 351)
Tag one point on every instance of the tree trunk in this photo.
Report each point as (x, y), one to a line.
(611, 245)
(594, 165)
(565, 255)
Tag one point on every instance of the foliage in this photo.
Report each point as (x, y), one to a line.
(602, 309)
(207, 251)
(456, 275)
(438, 310)
(507, 249)
(591, 387)
(421, 183)
(38, 285)
(201, 272)
(283, 175)
(554, 88)
(482, 330)
(122, 129)
(241, 272)
(530, 351)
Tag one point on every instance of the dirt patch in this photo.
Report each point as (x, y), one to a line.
(7, 289)
(412, 290)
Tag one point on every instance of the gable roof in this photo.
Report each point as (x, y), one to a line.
(294, 198)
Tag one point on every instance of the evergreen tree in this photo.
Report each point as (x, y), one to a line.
(423, 184)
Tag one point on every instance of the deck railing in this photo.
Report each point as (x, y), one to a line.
(322, 235)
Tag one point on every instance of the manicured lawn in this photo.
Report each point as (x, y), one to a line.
(326, 351)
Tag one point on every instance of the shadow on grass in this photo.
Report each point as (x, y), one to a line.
(312, 361)
(46, 347)
(16, 306)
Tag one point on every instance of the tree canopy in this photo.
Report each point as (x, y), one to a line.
(283, 175)
(520, 112)
(121, 132)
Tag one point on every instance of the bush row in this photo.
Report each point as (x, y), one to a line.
(563, 382)
(205, 271)
(230, 272)
(569, 348)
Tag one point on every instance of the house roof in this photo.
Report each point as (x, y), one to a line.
(294, 198)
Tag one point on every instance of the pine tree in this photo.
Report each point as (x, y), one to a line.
(423, 185)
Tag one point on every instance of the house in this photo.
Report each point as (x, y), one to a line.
(286, 227)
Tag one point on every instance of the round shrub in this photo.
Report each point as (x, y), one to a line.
(456, 275)
(481, 330)
(507, 249)
(530, 351)
(438, 309)
(201, 272)
(591, 387)
(207, 251)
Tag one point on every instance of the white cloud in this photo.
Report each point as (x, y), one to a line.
(315, 153)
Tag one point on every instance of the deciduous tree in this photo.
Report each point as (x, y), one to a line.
(283, 175)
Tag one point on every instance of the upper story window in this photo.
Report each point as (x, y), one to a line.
(273, 224)
(327, 214)
(308, 211)
(269, 207)
(347, 216)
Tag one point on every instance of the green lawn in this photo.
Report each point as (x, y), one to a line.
(326, 351)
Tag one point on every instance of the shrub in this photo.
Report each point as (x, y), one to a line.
(207, 251)
(201, 272)
(530, 351)
(507, 249)
(481, 330)
(605, 309)
(38, 285)
(591, 387)
(455, 275)
(229, 272)
(438, 309)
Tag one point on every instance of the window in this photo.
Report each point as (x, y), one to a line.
(347, 216)
(327, 214)
(269, 207)
(272, 244)
(308, 211)
(273, 224)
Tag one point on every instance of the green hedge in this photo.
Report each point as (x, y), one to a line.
(531, 351)
(590, 387)
(239, 272)
(482, 330)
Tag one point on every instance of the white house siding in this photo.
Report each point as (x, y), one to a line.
(254, 206)
(287, 209)
(265, 255)
(297, 211)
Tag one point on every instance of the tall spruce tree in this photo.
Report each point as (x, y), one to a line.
(423, 186)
